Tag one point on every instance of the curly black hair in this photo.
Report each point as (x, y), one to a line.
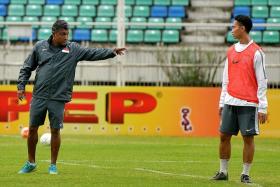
(59, 24)
(245, 21)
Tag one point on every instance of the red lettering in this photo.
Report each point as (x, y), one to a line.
(80, 117)
(117, 105)
(10, 107)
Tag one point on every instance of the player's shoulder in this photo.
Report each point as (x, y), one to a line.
(259, 50)
(230, 48)
(259, 53)
(256, 46)
(40, 43)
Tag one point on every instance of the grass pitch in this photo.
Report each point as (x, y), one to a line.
(137, 161)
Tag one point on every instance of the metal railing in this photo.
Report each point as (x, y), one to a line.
(159, 77)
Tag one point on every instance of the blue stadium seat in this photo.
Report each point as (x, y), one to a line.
(3, 10)
(159, 11)
(244, 10)
(55, 2)
(176, 11)
(81, 35)
(258, 20)
(4, 2)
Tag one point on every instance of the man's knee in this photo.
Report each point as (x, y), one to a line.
(248, 140)
(33, 130)
(55, 132)
(225, 138)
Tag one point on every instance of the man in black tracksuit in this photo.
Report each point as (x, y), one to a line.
(55, 61)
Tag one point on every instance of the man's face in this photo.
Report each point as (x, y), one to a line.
(61, 36)
(237, 30)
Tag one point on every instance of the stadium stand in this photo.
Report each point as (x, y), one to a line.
(256, 36)
(144, 11)
(3, 10)
(143, 41)
(84, 11)
(261, 11)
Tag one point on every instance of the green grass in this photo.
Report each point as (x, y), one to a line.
(136, 161)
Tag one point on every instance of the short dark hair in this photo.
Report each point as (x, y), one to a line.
(245, 21)
(59, 24)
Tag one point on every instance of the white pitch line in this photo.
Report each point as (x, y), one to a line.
(140, 169)
(74, 164)
(167, 173)
(83, 165)
(144, 161)
(184, 175)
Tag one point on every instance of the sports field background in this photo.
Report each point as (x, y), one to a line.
(137, 161)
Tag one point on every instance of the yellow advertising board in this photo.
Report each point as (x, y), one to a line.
(163, 111)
